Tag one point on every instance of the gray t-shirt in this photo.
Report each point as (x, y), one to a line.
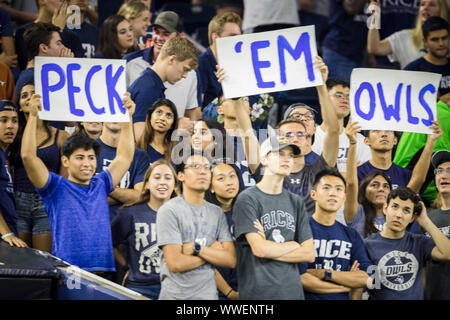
(179, 222)
(284, 219)
(438, 273)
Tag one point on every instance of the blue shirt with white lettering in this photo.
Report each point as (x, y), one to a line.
(135, 226)
(79, 221)
(144, 91)
(337, 248)
(88, 35)
(399, 265)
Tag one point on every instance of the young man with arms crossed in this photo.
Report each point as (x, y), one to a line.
(400, 255)
(77, 206)
(272, 231)
(193, 235)
(340, 251)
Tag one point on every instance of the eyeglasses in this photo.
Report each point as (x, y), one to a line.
(300, 116)
(440, 171)
(198, 166)
(296, 134)
(341, 95)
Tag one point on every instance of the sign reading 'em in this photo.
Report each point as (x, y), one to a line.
(268, 61)
(395, 100)
(76, 89)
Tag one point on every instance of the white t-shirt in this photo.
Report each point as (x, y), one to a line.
(265, 12)
(183, 93)
(363, 152)
(403, 49)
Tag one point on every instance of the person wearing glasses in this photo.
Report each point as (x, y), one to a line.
(298, 131)
(339, 91)
(438, 274)
(193, 235)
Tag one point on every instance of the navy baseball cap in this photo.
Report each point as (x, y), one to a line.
(7, 105)
(439, 157)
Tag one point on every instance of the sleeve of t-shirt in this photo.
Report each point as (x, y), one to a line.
(107, 180)
(121, 227)
(395, 41)
(168, 226)
(244, 214)
(303, 227)
(223, 229)
(359, 251)
(427, 246)
(50, 186)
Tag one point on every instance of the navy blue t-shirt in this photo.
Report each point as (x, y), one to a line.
(348, 34)
(399, 264)
(153, 154)
(7, 204)
(134, 174)
(337, 248)
(135, 226)
(144, 91)
(423, 65)
(88, 35)
(399, 176)
(206, 74)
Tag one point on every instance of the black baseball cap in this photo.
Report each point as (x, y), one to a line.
(439, 157)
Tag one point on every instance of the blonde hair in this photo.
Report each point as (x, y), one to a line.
(417, 36)
(182, 48)
(217, 24)
(132, 9)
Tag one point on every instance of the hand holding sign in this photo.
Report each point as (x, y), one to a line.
(35, 105)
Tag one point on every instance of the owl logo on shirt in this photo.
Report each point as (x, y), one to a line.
(398, 270)
(277, 237)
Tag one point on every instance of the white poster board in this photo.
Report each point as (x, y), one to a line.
(77, 89)
(395, 100)
(268, 61)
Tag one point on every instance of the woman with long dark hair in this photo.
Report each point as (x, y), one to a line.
(33, 224)
(160, 123)
(226, 183)
(135, 226)
(116, 38)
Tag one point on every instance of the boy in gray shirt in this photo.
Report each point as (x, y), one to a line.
(193, 236)
(272, 230)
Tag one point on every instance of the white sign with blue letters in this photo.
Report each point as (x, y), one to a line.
(398, 100)
(268, 61)
(78, 89)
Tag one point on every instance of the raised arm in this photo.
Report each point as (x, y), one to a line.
(36, 170)
(351, 201)
(420, 170)
(329, 117)
(125, 147)
(250, 141)
(374, 44)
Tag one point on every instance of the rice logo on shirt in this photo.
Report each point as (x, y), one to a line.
(277, 236)
(398, 270)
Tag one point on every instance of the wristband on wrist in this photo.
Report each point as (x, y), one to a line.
(229, 292)
(7, 235)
